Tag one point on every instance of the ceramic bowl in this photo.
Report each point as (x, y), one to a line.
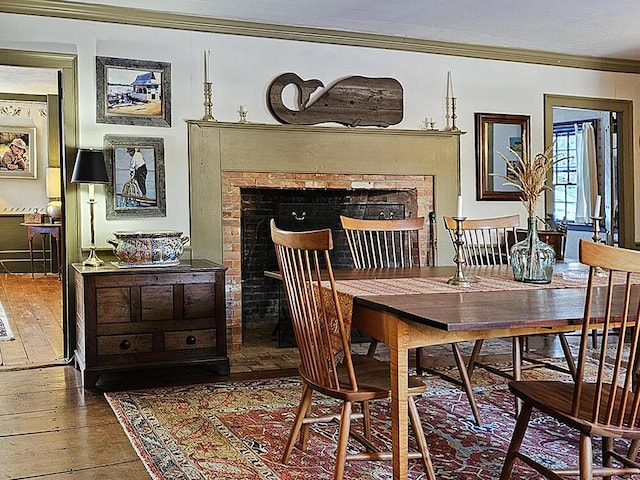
(162, 247)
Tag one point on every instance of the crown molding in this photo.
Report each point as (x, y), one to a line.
(139, 17)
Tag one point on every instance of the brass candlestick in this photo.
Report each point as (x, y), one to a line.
(453, 115)
(459, 277)
(598, 271)
(208, 103)
(447, 114)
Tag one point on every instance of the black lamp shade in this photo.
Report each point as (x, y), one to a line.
(90, 167)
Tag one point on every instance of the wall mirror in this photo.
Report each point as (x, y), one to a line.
(498, 133)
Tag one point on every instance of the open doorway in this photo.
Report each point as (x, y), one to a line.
(605, 126)
(65, 69)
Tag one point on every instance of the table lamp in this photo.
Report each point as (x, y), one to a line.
(54, 192)
(90, 169)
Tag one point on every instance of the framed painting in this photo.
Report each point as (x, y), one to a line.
(18, 152)
(133, 92)
(137, 182)
(507, 134)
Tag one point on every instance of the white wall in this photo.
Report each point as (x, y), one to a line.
(243, 67)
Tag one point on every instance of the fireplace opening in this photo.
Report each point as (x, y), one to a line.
(263, 304)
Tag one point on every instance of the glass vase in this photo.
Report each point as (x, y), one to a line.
(532, 260)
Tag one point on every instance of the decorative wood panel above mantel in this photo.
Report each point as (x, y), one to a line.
(215, 147)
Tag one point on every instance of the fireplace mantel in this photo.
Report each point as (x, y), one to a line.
(215, 147)
(225, 158)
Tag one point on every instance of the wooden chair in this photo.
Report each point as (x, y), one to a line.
(327, 365)
(396, 244)
(606, 407)
(487, 242)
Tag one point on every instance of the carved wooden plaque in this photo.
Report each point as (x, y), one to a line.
(352, 101)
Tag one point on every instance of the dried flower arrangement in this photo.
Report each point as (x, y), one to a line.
(530, 176)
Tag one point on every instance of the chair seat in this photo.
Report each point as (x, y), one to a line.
(374, 381)
(555, 398)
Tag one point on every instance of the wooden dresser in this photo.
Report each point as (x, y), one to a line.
(138, 318)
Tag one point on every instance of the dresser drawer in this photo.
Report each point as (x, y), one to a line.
(124, 344)
(190, 339)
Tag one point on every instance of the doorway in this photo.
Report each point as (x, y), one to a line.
(66, 67)
(616, 168)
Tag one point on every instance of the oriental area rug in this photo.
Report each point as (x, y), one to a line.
(238, 430)
(5, 329)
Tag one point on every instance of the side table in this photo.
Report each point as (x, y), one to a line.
(52, 229)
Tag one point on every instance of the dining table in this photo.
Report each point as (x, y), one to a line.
(407, 308)
(417, 307)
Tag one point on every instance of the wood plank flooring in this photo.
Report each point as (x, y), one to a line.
(34, 310)
(53, 429)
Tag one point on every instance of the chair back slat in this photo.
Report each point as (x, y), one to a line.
(486, 240)
(384, 243)
(613, 402)
(315, 312)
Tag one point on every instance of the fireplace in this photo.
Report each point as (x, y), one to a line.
(228, 161)
(299, 210)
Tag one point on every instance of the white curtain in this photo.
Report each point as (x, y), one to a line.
(587, 172)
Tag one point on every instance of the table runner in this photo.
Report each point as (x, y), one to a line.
(485, 279)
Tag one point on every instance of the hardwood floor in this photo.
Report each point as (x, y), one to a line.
(34, 310)
(53, 429)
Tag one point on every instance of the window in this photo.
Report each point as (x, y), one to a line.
(565, 174)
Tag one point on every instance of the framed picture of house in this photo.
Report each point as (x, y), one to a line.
(133, 92)
(18, 152)
(136, 169)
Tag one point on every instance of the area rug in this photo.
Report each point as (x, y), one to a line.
(237, 431)
(5, 329)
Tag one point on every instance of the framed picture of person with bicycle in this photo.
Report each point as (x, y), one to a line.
(136, 166)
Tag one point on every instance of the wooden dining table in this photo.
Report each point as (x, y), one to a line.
(406, 321)
(387, 304)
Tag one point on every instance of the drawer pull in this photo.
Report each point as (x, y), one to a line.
(191, 340)
(125, 344)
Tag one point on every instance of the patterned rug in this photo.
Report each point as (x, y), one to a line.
(238, 430)
(5, 329)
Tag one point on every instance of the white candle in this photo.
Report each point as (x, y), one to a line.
(459, 211)
(450, 85)
(596, 208)
(207, 64)
(243, 109)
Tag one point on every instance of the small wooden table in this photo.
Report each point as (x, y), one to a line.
(51, 229)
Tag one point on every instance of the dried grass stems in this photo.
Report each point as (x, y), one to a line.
(529, 176)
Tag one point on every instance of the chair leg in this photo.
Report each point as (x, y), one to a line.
(607, 459)
(303, 408)
(586, 457)
(343, 440)
(419, 368)
(516, 440)
(634, 449)
(571, 364)
(466, 382)
(517, 367)
(372, 347)
(474, 356)
(366, 420)
(416, 424)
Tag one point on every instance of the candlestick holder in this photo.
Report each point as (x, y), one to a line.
(598, 271)
(459, 278)
(208, 103)
(243, 115)
(453, 115)
(447, 114)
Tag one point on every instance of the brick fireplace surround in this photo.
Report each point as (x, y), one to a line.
(225, 158)
(232, 182)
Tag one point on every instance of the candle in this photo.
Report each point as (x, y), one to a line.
(596, 208)
(207, 58)
(243, 109)
(459, 211)
(449, 84)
